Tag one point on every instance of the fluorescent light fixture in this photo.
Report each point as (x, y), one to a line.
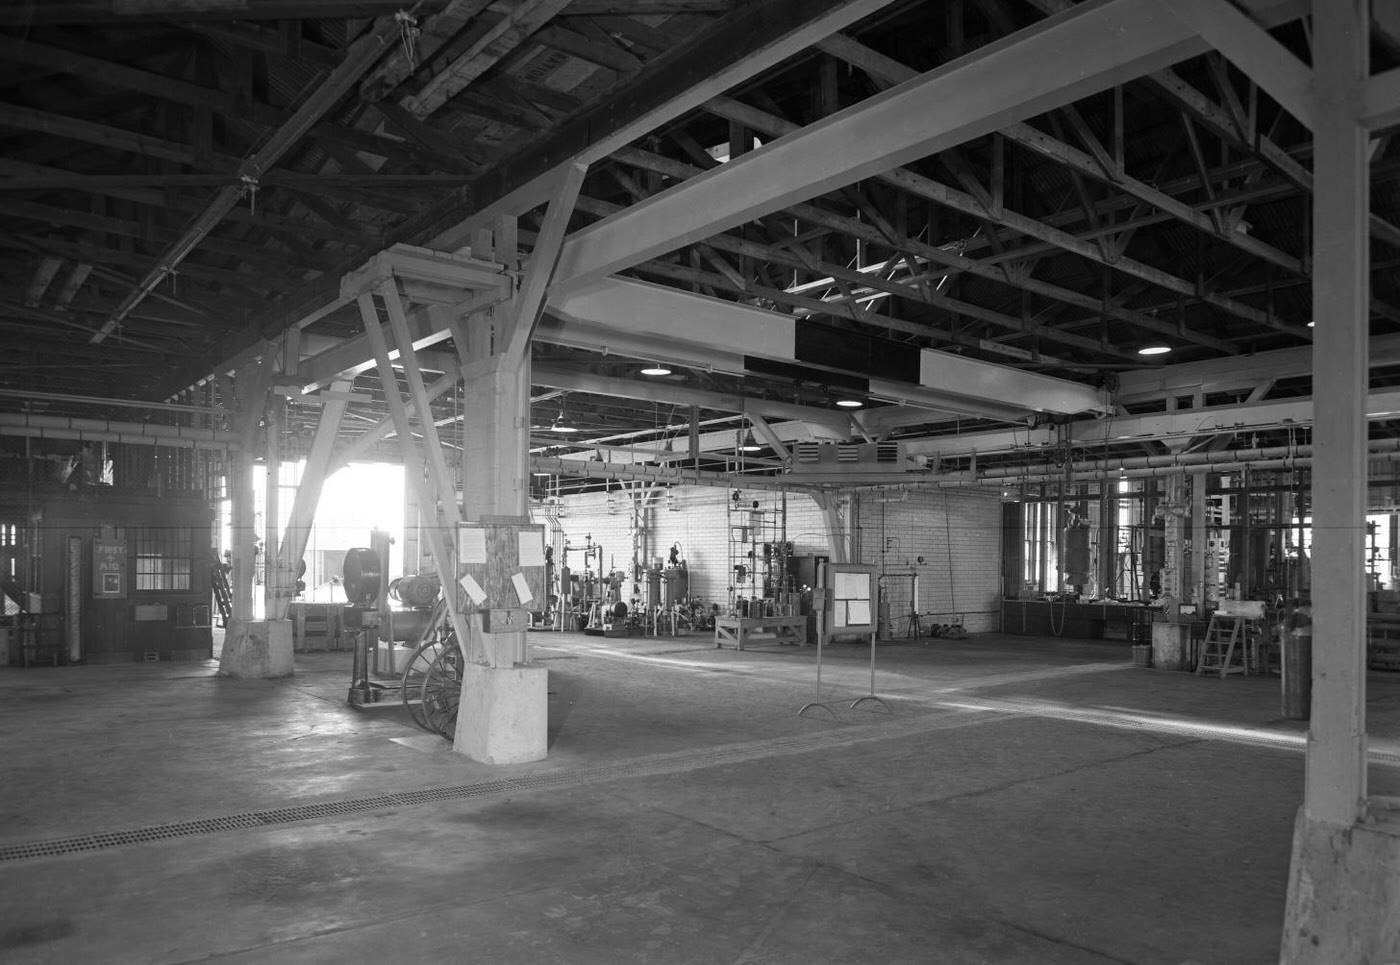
(849, 403)
(1157, 348)
(656, 368)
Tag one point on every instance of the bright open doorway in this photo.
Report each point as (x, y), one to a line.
(354, 501)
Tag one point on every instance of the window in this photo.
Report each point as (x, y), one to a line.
(162, 557)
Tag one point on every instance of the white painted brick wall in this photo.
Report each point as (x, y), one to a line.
(892, 534)
(958, 534)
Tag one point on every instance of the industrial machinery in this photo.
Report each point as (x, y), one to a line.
(362, 578)
(429, 684)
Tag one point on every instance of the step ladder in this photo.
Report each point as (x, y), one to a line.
(1222, 650)
(223, 593)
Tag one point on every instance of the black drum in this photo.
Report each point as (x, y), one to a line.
(362, 576)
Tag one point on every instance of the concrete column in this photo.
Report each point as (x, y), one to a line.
(242, 532)
(503, 715)
(1344, 882)
(1336, 781)
(252, 649)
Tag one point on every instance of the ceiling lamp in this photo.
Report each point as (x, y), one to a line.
(656, 368)
(849, 403)
(560, 423)
(1156, 348)
(750, 444)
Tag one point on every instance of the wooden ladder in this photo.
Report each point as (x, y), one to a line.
(1222, 642)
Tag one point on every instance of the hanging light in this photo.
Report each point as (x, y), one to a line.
(1156, 348)
(561, 424)
(750, 444)
(849, 403)
(656, 368)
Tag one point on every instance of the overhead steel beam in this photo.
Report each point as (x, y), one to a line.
(1234, 374)
(1381, 100)
(758, 35)
(945, 256)
(978, 443)
(1064, 58)
(1250, 48)
(1158, 426)
(556, 376)
(1019, 224)
(1155, 427)
(695, 323)
(595, 469)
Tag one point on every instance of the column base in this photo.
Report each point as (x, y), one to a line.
(503, 717)
(257, 649)
(1169, 645)
(1343, 889)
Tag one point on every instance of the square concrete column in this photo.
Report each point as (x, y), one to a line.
(257, 648)
(1344, 883)
(503, 717)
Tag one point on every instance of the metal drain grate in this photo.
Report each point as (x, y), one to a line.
(954, 715)
(640, 767)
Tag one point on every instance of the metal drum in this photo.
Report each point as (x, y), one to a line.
(362, 576)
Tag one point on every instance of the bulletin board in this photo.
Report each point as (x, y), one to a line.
(851, 602)
(500, 566)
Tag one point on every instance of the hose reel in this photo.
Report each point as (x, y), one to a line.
(362, 577)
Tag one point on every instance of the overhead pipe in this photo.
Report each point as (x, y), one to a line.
(103, 401)
(33, 426)
(1277, 457)
(1180, 460)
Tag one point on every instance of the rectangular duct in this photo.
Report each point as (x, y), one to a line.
(848, 457)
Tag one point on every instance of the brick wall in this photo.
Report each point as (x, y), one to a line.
(893, 531)
(958, 534)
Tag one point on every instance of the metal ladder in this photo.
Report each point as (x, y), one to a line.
(223, 593)
(1223, 641)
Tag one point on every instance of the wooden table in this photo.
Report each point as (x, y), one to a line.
(739, 630)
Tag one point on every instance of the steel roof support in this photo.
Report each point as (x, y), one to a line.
(1066, 57)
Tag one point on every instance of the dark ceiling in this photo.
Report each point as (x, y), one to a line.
(184, 180)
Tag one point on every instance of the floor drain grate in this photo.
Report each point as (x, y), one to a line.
(657, 764)
(652, 766)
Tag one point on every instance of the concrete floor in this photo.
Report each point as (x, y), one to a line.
(1022, 801)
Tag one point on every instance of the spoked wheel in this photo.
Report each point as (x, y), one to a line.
(415, 671)
(442, 689)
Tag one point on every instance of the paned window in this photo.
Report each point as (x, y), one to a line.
(162, 557)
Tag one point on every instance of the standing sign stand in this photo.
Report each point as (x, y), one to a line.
(848, 608)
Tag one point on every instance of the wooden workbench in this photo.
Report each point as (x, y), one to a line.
(739, 630)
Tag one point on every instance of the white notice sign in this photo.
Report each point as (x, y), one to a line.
(522, 589)
(473, 589)
(471, 544)
(531, 547)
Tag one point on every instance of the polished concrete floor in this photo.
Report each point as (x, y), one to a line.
(1009, 800)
